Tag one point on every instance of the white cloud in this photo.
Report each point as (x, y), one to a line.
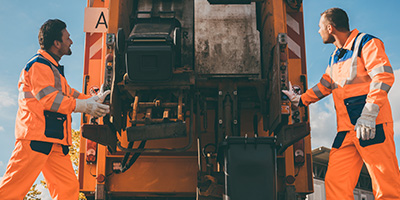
(45, 192)
(7, 99)
(394, 98)
(1, 128)
(323, 123)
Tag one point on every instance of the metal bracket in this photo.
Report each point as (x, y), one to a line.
(290, 134)
(101, 134)
(100, 192)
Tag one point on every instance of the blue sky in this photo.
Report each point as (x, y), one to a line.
(20, 21)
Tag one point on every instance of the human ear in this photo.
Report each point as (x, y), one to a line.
(329, 28)
(57, 44)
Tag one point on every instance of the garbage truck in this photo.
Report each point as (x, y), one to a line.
(196, 108)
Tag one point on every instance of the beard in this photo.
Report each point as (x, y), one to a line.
(69, 52)
(329, 40)
(65, 52)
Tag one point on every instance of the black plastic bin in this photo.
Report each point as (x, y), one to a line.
(250, 168)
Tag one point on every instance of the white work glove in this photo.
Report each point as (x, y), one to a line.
(293, 97)
(365, 126)
(92, 107)
(101, 95)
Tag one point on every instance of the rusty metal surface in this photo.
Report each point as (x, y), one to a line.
(226, 39)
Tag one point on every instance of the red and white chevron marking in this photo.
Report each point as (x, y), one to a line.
(293, 28)
(95, 45)
(296, 42)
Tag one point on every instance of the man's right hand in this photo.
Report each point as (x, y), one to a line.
(293, 97)
(102, 95)
(91, 107)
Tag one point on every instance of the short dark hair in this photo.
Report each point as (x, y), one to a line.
(49, 32)
(337, 18)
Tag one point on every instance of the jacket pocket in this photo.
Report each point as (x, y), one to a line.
(354, 106)
(54, 124)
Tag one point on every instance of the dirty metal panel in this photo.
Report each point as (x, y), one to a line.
(226, 40)
(156, 131)
(183, 11)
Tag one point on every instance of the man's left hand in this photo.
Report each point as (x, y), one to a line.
(365, 127)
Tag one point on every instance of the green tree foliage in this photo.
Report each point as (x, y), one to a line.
(34, 193)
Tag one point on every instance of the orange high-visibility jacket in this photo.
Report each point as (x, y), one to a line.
(46, 102)
(359, 75)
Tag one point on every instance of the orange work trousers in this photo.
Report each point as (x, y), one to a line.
(25, 166)
(346, 160)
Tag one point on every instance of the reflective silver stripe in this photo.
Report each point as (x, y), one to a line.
(353, 69)
(21, 87)
(45, 91)
(332, 59)
(325, 83)
(380, 85)
(335, 85)
(69, 90)
(76, 94)
(22, 94)
(57, 78)
(57, 102)
(21, 78)
(370, 109)
(381, 69)
(25, 95)
(318, 92)
(56, 73)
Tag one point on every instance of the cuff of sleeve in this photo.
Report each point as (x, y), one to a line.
(370, 109)
(80, 105)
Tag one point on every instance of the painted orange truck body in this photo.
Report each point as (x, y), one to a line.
(195, 90)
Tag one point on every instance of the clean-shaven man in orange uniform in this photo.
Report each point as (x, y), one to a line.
(43, 124)
(359, 76)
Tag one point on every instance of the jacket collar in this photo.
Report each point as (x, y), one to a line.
(350, 39)
(48, 57)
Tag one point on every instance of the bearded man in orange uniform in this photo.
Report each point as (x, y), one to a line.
(359, 76)
(43, 124)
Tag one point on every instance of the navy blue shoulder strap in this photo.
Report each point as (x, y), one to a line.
(40, 59)
(37, 58)
(364, 40)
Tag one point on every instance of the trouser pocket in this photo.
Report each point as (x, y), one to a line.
(65, 149)
(54, 124)
(379, 137)
(41, 147)
(337, 143)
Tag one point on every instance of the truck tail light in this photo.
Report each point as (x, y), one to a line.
(298, 149)
(91, 152)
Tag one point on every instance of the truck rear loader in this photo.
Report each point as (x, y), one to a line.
(196, 105)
